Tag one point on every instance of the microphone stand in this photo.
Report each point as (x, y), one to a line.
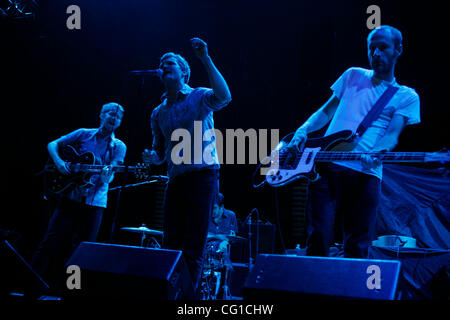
(257, 232)
(119, 192)
(250, 259)
(248, 220)
(125, 80)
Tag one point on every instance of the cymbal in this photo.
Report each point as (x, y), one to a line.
(219, 236)
(143, 230)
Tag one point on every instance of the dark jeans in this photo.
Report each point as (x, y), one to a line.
(354, 197)
(188, 206)
(70, 224)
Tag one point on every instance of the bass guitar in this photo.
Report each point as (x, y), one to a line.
(287, 166)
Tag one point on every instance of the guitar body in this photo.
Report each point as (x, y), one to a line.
(286, 167)
(59, 184)
(82, 167)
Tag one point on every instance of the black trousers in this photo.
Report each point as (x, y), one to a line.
(188, 204)
(354, 197)
(70, 224)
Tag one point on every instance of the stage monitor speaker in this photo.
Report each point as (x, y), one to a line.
(237, 278)
(296, 277)
(17, 275)
(113, 270)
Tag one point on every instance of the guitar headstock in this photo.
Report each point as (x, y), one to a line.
(442, 156)
(142, 171)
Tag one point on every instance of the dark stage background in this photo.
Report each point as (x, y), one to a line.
(279, 59)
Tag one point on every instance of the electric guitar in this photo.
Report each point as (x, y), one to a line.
(82, 168)
(287, 166)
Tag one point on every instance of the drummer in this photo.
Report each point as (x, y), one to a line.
(223, 222)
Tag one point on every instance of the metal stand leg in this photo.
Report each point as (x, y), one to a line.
(226, 288)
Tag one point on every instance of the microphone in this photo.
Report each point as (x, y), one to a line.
(249, 215)
(155, 72)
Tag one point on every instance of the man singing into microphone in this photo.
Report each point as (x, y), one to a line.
(193, 185)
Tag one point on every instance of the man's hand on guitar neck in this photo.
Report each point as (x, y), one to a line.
(106, 175)
(371, 161)
(386, 143)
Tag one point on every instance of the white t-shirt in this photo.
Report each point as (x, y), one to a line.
(358, 90)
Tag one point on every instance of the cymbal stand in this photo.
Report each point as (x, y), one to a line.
(142, 239)
(119, 192)
(207, 279)
(250, 259)
(155, 243)
(226, 288)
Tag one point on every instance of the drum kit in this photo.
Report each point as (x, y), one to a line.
(217, 267)
(217, 264)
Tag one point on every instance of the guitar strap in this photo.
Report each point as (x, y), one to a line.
(376, 110)
(108, 152)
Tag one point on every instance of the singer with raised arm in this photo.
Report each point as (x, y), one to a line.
(78, 213)
(352, 188)
(193, 168)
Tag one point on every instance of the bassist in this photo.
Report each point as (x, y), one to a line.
(352, 189)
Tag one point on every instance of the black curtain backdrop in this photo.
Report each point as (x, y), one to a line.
(279, 59)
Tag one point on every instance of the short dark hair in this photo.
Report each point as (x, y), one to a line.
(396, 35)
(220, 199)
(184, 65)
(111, 105)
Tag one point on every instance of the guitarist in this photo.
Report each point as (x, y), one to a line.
(78, 214)
(352, 189)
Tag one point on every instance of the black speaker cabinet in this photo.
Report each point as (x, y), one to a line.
(237, 278)
(127, 271)
(294, 277)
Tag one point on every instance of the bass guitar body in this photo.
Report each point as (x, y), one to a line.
(287, 167)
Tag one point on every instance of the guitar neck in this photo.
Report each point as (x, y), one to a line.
(96, 168)
(387, 157)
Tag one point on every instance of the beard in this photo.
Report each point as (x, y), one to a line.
(381, 67)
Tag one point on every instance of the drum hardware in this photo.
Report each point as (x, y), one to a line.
(217, 268)
(248, 221)
(154, 179)
(230, 238)
(144, 231)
